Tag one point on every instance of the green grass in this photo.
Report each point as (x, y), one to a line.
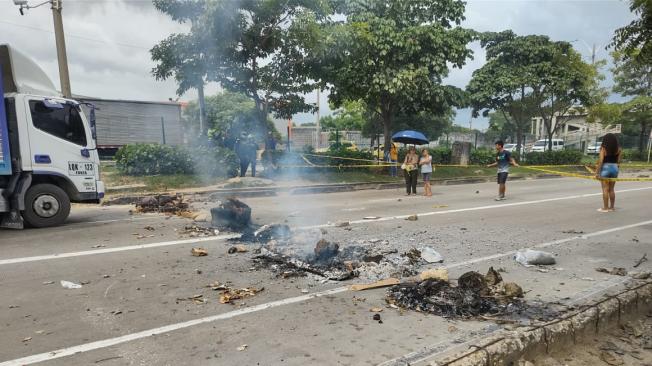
(154, 183)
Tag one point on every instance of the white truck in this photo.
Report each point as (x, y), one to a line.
(48, 157)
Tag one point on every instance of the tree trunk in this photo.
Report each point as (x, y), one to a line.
(642, 138)
(519, 138)
(203, 124)
(387, 128)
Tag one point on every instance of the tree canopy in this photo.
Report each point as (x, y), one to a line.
(635, 39)
(393, 56)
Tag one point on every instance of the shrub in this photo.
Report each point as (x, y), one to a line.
(482, 156)
(153, 159)
(561, 157)
(634, 155)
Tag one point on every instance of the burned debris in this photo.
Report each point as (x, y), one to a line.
(232, 214)
(474, 295)
(162, 203)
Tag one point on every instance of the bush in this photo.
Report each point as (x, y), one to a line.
(634, 155)
(561, 157)
(154, 159)
(483, 156)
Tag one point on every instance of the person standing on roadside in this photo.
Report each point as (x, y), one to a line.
(503, 160)
(426, 170)
(411, 170)
(393, 158)
(608, 166)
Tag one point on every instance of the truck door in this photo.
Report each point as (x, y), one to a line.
(61, 144)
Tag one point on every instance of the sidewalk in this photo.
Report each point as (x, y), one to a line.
(254, 187)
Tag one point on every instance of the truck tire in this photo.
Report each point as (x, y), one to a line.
(46, 205)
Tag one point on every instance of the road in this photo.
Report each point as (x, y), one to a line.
(128, 312)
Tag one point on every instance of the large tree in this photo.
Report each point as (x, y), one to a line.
(253, 47)
(182, 55)
(503, 84)
(635, 39)
(393, 55)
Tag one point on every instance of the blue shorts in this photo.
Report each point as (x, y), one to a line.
(609, 170)
(502, 177)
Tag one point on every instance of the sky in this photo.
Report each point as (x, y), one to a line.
(108, 41)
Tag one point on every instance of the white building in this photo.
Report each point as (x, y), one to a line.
(574, 129)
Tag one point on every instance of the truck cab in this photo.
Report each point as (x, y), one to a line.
(48, 156)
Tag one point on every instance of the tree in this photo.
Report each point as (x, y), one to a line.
(501, 127)
(633, 78)
(229, 113)
(635, 39)
(350, 117)
(503, 83)
(181, 55)
(252, 47)
(393, 56)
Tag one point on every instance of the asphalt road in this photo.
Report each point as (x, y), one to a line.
(128, 311)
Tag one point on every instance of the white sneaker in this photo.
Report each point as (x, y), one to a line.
(499, 198)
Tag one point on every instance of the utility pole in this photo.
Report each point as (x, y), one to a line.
(62, 58)
(318, 142)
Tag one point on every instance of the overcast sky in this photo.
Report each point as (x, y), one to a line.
(108, 41)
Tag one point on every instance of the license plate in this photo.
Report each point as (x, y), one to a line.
(81, 168)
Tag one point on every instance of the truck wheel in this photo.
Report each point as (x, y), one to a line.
(46, 205)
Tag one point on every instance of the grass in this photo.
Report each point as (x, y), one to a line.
(154, 183)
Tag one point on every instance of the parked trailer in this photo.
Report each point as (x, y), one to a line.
(122, 122)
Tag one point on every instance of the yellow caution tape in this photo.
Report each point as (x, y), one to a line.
(591, 177)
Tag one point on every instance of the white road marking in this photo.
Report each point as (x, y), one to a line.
(63, 352)
(114, 250)
(401, 217)
(252, 309)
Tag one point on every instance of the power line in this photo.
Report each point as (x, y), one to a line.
(75, 36)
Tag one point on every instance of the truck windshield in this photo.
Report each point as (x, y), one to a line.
(64, 123)
(541, 143)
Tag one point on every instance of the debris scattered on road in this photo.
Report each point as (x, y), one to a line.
(162, 203)
(231, 213)
(531, 257)
(412, 218)
(196, 231)
(430, 255)
(199, 252)
(325, 250)
(572, 231)
(27, 339)
(70, 285)
(48, 282)
(196, 299)
(305, 291)
(229, 294)
(493, 277)
(98, 246)
(149, 228)
(371, 217)
(611, 358)
(376, 317)
(618, 271)
(376, 310)
(237, 249)
(640, 275)
(242, 348)
(266, 233)
(472, 296)
(641, 261)
(342, 224)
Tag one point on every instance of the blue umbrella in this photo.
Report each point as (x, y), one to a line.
(410, 137)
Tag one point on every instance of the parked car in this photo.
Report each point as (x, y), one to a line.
(542, 145)
(593, 148)
(512, 148)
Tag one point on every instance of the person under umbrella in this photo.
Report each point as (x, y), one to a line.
(411, 170)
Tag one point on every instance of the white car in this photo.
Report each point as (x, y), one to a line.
(593, 148)
(542, 145)
(512, 148)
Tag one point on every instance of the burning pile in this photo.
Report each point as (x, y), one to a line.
(474, 295)
(232, 214)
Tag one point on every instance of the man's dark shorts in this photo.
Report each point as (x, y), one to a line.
(502, 177)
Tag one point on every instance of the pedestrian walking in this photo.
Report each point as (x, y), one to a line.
(411, 170)
(393, 159)
(503, 160)
(426, 171)
(608, 167)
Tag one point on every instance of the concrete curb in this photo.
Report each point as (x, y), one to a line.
(216, 194)
(561, 334)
